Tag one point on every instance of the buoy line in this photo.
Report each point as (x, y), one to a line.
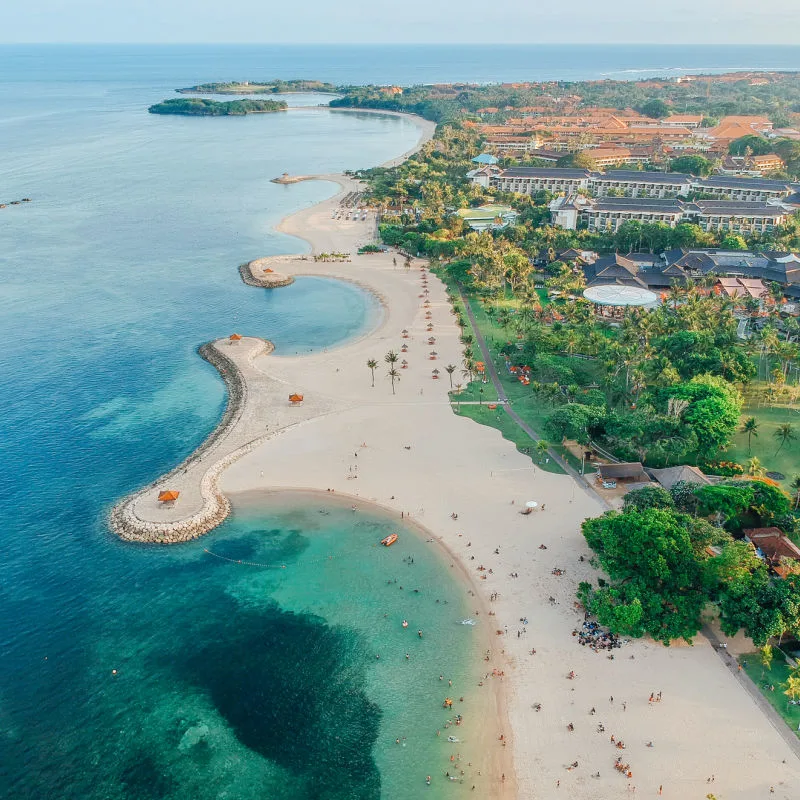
(256, 563)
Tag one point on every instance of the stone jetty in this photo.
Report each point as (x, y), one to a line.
(258, 409)
(259, 273)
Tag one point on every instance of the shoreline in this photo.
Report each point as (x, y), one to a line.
(497, 700)
(123, 518)
(404, 449)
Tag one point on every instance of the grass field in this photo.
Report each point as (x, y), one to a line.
(497, 418)
(773, 677)
(765, 445)
(529, 407)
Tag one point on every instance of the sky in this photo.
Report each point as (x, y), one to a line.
(400, 21)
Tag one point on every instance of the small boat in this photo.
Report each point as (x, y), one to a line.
(389, 540)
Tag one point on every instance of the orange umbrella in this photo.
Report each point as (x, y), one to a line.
(169, 496)
(269, 270)
(295, 398)
(235, 337)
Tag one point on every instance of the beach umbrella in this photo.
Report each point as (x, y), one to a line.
(531, 504)
(404, 348)
(435, 374)
(432, 340)
(235, 337)
(295, 398)
(434, 353)
(269, 270)
(169, 496)
(404, 364)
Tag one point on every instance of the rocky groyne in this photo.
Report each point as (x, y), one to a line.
(215, 507)
(254, 274)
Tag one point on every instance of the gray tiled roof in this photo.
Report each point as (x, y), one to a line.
(728, 182)
(664, 205)
(639, 176)
(544, 172)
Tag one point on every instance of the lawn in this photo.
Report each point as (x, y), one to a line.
(776, 676)
(497, 418)
(765, 445)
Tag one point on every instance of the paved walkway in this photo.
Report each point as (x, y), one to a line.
(503, 399)
(775, 719)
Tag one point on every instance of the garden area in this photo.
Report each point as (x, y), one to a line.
(765, 442)
(772, 677)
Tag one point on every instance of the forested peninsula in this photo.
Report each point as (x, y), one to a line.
(200, 107)
(270, 87)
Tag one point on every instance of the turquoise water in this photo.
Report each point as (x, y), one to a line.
(125, 262)
(232, 681)
(235, 680)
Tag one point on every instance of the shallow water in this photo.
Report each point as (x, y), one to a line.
(231, 681)
(205, 677)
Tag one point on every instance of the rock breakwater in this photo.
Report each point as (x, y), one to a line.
(125, 518)
(255, 273)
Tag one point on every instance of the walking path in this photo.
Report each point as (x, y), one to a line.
(506, 403)
(741, 676)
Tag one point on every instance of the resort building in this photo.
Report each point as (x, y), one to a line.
(777, 550)
(608, 213)
(737, 188)
(513, 144)
(753, 166)
(636, 183)
(736, 216)
(742, 273)
(529, 180)
(683, 121)
(630, 183)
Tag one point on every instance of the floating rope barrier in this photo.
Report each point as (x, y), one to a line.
(258, 564)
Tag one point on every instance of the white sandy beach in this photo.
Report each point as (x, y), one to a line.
(415, 456)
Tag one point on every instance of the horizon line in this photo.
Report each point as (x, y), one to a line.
(402, 44)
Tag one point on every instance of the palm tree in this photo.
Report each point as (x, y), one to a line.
(372, 365)
(750, 427)
(458, 407)
(785, 433)
(450, 369)
(393, 375)
(796, 489)
(755, 469)
(391, 358)
(542, 447)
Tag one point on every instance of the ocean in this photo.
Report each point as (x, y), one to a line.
(138, 672)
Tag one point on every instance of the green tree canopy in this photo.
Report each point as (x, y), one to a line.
(659, 576)
(713, 411)
(695, 165)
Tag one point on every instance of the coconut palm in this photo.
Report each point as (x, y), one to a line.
(785, 433)
(372, 365)
(796, 489)
(750, 427)
(391, 358)
(459, 386)
(450, 369)
(542, 447)
(394, 376)
(755, 469)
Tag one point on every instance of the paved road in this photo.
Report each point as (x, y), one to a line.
(503, 398)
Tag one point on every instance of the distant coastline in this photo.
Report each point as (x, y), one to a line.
(250, 87)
